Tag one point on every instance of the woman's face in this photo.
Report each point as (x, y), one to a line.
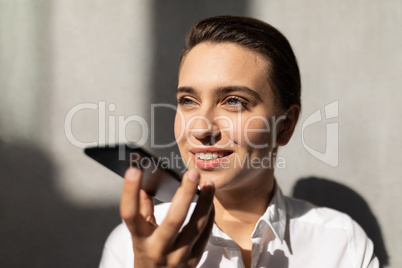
(223, 124)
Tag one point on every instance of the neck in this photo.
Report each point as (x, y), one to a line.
(246, 204)
(237, 210)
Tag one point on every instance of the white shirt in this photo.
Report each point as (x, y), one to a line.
(302, 236)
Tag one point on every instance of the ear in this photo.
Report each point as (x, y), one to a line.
(287, 125)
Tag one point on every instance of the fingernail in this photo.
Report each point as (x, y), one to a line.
(132, 173)
(209, 185)
(193, 175)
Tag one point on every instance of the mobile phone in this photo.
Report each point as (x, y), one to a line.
(157, 179)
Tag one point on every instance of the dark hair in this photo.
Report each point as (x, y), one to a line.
(260, 37)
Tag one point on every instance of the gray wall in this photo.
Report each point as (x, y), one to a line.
(57, 206)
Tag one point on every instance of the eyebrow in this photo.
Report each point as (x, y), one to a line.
(230, 89)
(222, 91)
(188, 90)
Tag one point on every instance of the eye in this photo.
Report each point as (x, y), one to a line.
(236, 103)
(185, 101)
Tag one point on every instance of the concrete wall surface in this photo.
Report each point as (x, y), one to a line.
(78, 73)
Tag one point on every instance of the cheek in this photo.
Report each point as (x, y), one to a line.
(182, 129)
(178, 128)
(256, 132)
(246, 131)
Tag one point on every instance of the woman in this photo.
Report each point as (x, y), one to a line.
(238, 100)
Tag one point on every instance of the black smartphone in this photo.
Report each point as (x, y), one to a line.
(158, 180)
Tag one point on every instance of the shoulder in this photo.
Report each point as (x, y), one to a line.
(328, 226)
(303, 212)
(118, 250)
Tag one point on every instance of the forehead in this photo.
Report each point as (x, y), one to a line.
(212, 65)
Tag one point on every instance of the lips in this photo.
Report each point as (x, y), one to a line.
(210, 158)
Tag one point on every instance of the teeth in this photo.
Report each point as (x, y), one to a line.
(209, 156)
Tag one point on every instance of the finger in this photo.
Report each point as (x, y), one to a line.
(166, 234)
(191, 254)
(200, 218)
(147, 207)
(200, 244)
(129, 204)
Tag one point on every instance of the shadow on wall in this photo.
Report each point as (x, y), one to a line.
(37, 227)
(171, 23)
(326, 193)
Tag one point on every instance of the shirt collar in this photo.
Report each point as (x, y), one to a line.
(275, 217)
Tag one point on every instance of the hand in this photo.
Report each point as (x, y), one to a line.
(164, 245)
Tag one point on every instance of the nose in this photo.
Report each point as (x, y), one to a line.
(204, 129)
